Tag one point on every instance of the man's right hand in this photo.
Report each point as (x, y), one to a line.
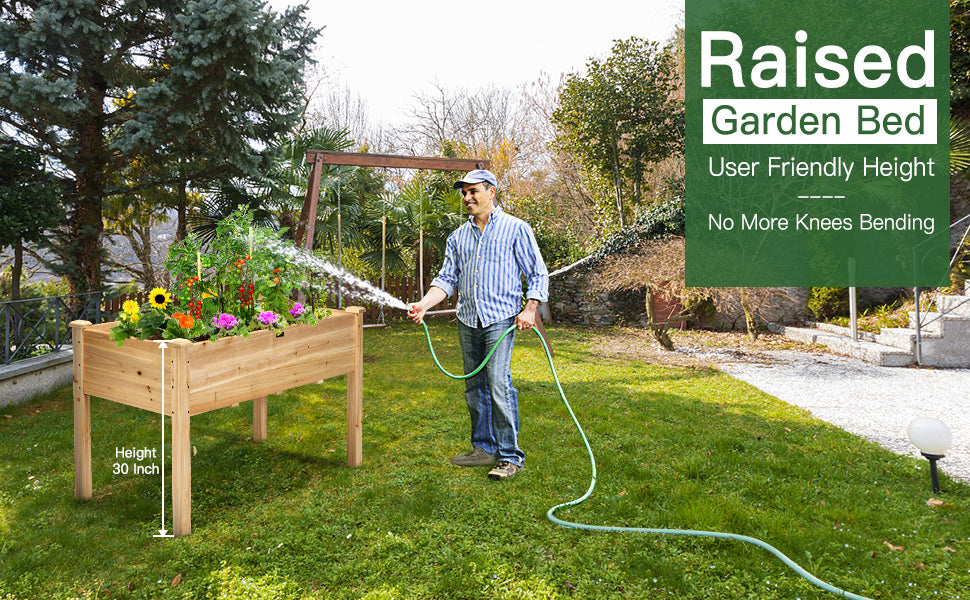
(417, 312)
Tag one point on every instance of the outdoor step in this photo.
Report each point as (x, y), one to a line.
(930, 322)
(871, 352)
(958, 306)
(840, 330)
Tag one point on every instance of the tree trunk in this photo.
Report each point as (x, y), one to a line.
(659, 331)
(749, 320)
(140, 239)
(182, 208)
(18, 268)
(87, 227)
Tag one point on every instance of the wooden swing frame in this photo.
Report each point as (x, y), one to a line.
(317, 158)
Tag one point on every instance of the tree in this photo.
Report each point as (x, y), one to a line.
(30, 198)
(93, 85)
(623, 115)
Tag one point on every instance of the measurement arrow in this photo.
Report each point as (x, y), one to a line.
(163, 532)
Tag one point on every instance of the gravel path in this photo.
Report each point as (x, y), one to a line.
(876, 403)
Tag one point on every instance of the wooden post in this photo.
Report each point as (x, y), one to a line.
(260, 426)
(82, 418)
(305, 227)
(181, 439)
(355, 393)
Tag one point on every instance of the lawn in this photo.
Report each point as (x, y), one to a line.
(686, 448)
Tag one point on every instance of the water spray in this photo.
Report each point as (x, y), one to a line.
(551, 513)
(347, 282)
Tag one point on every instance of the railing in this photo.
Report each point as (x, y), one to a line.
(936, 292)
(40, 325)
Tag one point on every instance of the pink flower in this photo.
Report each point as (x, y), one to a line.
(297, 310)
(225, 321)
(268, 317)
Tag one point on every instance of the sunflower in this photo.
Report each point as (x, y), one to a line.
(130, 307)
(159, 298)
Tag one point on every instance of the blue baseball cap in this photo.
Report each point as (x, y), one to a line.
(476, 176)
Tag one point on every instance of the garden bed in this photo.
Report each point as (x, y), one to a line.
(196, 377)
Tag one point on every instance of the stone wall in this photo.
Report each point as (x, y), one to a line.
(25, 379)
(572, 301)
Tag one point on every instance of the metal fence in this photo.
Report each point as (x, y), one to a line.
(40, 325)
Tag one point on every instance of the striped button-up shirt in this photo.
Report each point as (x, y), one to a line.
(486, 266)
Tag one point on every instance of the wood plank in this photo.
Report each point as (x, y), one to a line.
(117, 387)
(211, 369)
(360, 159)
(244, 388)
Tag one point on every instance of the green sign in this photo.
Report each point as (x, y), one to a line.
(817, 149)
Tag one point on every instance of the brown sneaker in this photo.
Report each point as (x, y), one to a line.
(476, 458)
(503, 470)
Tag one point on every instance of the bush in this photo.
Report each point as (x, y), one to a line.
(828, 302)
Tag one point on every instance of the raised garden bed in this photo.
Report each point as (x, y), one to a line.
(203, 376)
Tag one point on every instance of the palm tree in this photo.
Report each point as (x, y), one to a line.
(275, 197)
(419, 216)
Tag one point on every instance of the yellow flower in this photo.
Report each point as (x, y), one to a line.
(130, 307)
(159, 298)
(133, 317)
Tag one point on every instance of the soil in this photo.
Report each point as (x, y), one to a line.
(700, 348)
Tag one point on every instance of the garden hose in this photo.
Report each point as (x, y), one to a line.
(592, 484)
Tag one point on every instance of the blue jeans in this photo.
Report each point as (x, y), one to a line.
(493, 404)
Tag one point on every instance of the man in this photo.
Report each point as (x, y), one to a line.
(484, 260)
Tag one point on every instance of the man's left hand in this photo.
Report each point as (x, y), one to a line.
(527, 318)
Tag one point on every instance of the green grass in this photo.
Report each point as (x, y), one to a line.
(285, 518)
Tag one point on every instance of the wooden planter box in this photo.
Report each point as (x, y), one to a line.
(204, 376)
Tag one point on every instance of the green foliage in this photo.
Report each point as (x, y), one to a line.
(876, 318)
(959, 55)
(660, 220)
(621, 116)
(277, 195)
(30, 197)
(285, 518)
(233, 583)
(38, 289)
(828, 302)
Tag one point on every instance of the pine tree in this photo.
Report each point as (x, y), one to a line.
(95, 84)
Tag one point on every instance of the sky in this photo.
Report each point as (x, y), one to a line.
(386, 51)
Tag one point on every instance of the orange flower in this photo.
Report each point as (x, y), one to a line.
(185, 321)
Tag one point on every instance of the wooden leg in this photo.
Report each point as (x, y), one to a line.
(82, 417)
(82, 446)
(355, 417)
(181, 442)
(355, 393)
(181, 474)
(260, 428)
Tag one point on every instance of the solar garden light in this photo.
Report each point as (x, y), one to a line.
(933, 438)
